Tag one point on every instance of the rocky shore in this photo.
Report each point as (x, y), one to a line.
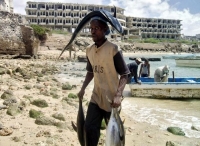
(37, 105)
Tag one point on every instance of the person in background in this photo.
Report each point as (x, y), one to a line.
(145, 69)
(107, 67)
(161, 74)
(133, 67)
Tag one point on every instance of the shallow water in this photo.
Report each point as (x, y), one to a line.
(161, 112)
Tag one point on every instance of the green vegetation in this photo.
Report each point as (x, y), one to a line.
(156, 41)
(59, 31)
(40, 32)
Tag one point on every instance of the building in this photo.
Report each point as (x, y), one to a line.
(6, 5)
(68, 15)
(64, 15)
(154, 28)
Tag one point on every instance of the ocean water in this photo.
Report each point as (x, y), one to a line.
(164, 113)
(178, 71)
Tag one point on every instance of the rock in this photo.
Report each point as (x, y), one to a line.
(59, 116)
(13, 110)
(196, 126)
(6, 131)
(7, 94)
(176, 131)
(40, 103)
(170, 143)
(10, 101)
(35, 114)
(42, 120)
(73, 96)
(66, 86)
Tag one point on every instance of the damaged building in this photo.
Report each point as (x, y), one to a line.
(68, 15)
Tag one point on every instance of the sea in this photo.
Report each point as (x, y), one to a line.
(183, 113)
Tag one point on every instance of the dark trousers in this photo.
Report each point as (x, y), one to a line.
(93, 121)
(144, 75)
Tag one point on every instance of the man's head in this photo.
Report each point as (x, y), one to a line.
(99, 28)
(166, 70)
(138, 60)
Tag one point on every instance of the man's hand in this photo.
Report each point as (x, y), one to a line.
(116, 102)
(81, 94)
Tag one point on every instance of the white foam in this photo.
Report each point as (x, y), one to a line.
(162, 117)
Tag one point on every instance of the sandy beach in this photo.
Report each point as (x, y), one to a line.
(39, 80)
(37, 103)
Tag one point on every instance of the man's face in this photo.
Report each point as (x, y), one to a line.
(97, 30)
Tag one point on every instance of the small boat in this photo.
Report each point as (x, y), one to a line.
(182, 87)
(175, 56)
(188, 62)
(150, 59)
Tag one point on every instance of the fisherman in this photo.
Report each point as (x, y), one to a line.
(133, 67)
(161, 74)
(105, 64)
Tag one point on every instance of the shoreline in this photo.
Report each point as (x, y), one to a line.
(38, 81)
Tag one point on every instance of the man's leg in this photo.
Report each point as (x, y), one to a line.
(92, 124)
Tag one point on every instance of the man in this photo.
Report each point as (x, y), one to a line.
(133, 67)
(161, 74)
(105, 64)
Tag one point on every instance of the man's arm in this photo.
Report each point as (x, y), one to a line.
(89, 76)
(118, 96)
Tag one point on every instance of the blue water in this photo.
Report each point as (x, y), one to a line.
(178, 71)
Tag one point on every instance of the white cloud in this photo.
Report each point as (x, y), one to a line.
(19, 6)
(161, 9)
(139, 8)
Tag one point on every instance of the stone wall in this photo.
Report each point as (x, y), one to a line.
(15, 37)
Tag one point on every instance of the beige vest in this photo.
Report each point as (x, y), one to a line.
(106, 78)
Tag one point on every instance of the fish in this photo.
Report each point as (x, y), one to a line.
(79, 126)
(101, 13)
(115, 133)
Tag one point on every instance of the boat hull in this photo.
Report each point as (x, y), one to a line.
(188, 62)
(180, 88)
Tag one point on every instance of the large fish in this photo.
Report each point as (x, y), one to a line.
(100, 13)
(79, 127)
(115, 134)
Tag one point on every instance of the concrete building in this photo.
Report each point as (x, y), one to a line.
(65, 15)
(68, 15)
(6, 5)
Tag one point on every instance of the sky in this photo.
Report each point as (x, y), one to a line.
(186, 10)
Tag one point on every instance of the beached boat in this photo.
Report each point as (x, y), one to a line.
(188, 62)
(174, 88)
(175, 56)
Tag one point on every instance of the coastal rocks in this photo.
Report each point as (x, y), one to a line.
(196, 126)
(176, 131)
(40, 103)
(170, 143)
(15, 37)
(6, 131)
(35, 114)
(13, 110)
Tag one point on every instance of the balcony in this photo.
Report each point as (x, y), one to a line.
(51, 23)
(42, 23)
(34, 23)
(68, 24)
(42, 16)
(59, 24)
(27, 8)
(50, 16)
(43, 9)
(31, 16)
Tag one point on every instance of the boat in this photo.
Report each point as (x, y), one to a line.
(175, 56)
(188, 62)
(143, 59)
(180, 87)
